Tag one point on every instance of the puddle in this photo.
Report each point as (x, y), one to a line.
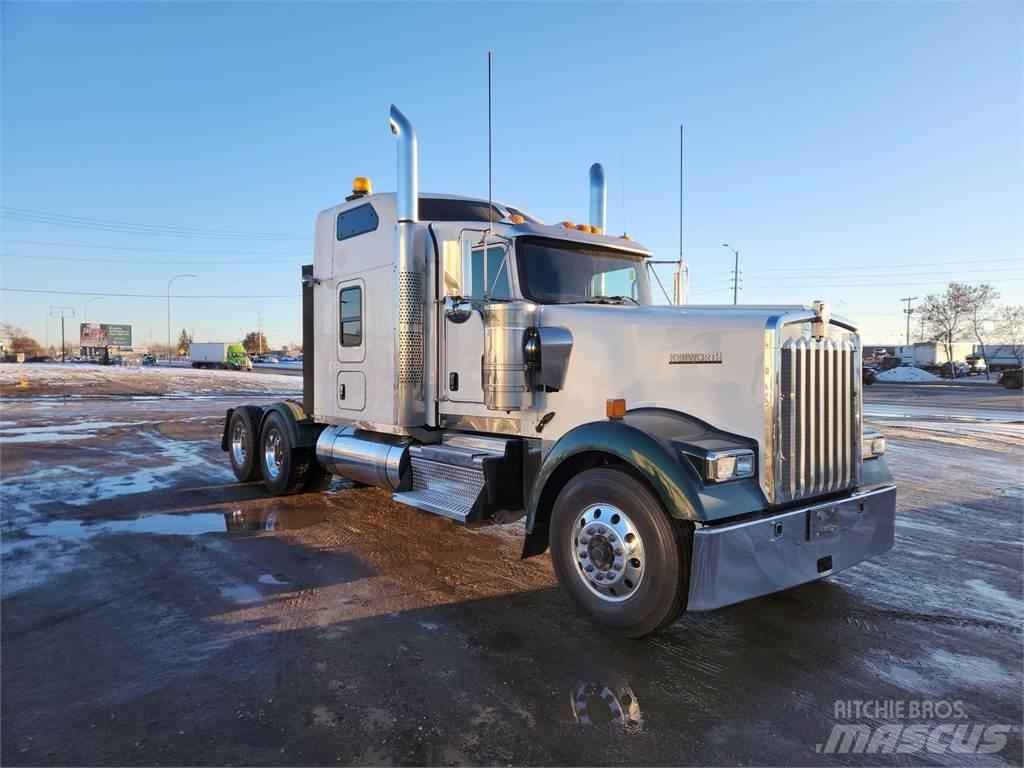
(82, 430)
(596, 704)
(273, 579)
(241, 594)
(193, 524)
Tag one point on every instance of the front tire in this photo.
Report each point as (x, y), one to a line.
(284, 467)
(615, 550)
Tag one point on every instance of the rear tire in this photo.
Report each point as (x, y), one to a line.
(243, 430)
(624, 562)
(318, 479)
(285, 467)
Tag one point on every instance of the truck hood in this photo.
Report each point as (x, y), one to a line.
(709, 362)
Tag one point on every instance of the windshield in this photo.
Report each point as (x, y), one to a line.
(561, 272)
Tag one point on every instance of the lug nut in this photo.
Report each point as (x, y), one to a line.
(618, 551)
(588, 568)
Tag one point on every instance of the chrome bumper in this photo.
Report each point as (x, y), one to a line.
(732, 563)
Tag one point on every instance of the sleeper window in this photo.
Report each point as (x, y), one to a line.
(351, 312)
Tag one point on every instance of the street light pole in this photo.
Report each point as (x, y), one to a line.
(735, 275)
(85, 312)
(908, 312)
(170, 352)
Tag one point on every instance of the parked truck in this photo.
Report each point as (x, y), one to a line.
(220, 355)
(484, 366)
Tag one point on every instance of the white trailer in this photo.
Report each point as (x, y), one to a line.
(482, 365)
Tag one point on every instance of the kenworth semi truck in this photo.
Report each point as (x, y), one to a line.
(484, 366)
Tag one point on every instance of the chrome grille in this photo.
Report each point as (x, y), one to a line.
(818, 448)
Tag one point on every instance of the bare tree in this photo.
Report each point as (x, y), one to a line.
(945, 316)
(20, 341)
(1010, 329)
(982, 313)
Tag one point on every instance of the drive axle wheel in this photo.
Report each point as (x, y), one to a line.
(284, 466)
(621, 558)
(242, 433)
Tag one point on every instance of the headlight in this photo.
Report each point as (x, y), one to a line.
(872, 444)
(720, 466)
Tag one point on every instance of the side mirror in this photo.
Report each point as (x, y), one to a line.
(457, 309)
(308, 281)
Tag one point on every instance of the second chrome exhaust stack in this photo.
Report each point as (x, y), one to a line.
(598, 197)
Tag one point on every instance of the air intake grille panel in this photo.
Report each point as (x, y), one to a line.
(819, 431)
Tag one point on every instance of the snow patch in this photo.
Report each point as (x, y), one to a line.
(907, 373)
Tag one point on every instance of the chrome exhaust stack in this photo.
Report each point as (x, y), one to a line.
(407, 191)
(410, 411)
(598, 197)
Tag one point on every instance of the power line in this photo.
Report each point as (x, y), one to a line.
(881, 266)
(112, 225)
(152, 250)
(870, 275)
(882, 285)
(146, 263)
(152, 295)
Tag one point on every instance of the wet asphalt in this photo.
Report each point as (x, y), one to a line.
(155, 612)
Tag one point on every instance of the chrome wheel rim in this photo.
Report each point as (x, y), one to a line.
(238, 436)
(608, 552)
(273, 452)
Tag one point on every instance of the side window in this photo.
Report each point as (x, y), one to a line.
(497, 285)
(350, 305)
(357, 221)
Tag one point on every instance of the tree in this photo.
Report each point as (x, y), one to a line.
(982, 312)
(255, 343)
(945, 316)
(20, 341)
(184, 342)
(1010, 329)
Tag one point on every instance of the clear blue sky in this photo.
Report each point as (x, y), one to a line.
(858, 146)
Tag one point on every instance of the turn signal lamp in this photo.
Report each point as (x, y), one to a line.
(361, 186)
(568, 225)
(517, 219)
(872, 444)
(624, 236)
(615, 409)
(597, 230)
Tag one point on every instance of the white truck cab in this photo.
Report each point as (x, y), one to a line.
(485, 366)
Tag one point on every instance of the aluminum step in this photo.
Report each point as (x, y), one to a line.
(447, 479)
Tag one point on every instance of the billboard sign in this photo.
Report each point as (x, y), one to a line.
(103, 335)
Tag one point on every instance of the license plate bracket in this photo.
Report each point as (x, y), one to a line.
(825, 523)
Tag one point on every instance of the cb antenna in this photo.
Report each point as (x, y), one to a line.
(682, 281)
(490, 154)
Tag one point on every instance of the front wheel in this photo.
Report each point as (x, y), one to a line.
(621, 558)
(284, 466)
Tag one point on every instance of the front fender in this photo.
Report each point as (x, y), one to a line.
(674, 482)
(665, 448)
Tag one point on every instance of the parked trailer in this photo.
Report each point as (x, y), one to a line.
(484, 366)
(220, 355)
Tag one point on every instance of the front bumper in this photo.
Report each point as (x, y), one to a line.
(732, 563)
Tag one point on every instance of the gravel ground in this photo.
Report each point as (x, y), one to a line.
(150, 617)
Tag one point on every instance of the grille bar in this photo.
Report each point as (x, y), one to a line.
(819, 419)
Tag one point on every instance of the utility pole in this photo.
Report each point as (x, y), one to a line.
(908, 312)
(170, 349)
(259, 331)
(62, 312)
(735, 274)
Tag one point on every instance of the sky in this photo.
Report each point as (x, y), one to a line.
(857, 153)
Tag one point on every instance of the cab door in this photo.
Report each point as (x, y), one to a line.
(468, 275)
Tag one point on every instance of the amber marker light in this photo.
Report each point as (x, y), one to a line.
(615, 409)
